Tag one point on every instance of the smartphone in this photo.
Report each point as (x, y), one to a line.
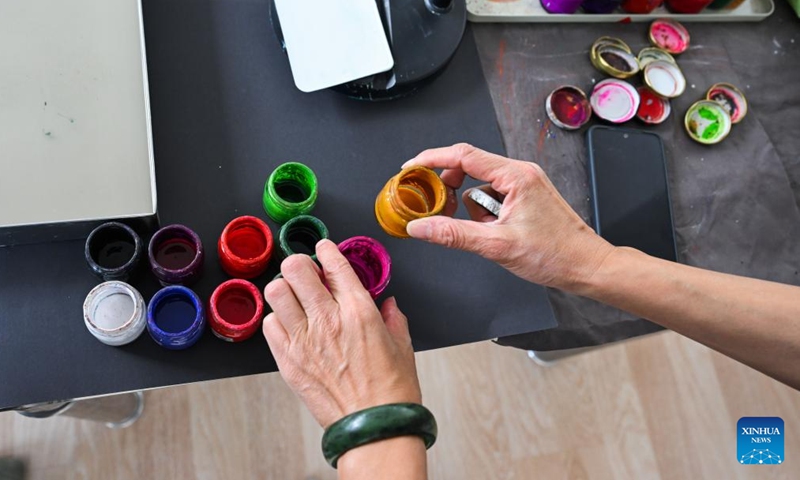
(630, 192)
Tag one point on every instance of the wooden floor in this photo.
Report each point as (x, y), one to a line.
(660, 407)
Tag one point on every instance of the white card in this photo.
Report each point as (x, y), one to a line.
(331, 42)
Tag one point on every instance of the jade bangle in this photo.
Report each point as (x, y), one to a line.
(375, 424)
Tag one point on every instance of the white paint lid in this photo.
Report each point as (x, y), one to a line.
(115, 313)
(616, 101)
(664, 78)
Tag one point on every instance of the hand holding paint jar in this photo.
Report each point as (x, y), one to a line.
(313, 331)
(537, 236)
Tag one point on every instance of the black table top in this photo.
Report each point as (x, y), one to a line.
(225, 112)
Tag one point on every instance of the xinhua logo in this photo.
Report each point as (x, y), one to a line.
(760, 440)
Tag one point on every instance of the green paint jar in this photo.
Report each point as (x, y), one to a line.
(291, 190)
(301, 234)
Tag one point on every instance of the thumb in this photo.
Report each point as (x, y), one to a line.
(396, 322)
(464, 235)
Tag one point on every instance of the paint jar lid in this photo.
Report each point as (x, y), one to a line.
(731, 98)
(653, 109)
(236, 310)
(568, 107)
(664, 78)
(613, 41)
(669, 35)
(613, 57)
(651, 54)
(707, 122)
(616, 101)
(114, 312)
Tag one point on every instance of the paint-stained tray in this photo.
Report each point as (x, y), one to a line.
(531, 11)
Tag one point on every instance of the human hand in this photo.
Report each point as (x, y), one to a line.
(537, 236)
(333, 347)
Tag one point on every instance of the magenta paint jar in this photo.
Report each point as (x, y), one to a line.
(370, 261)
(561, 6)
(176, 255)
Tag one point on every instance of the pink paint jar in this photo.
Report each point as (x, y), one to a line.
(370, 261)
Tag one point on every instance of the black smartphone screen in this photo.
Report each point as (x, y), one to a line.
(630, 193)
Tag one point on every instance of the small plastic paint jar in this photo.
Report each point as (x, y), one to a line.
(669, 35)
(415, 192)
(568, 107)
(176, 255)
(731, 98)
(707, 122)
(370, 261)
(113, 250)
(561, 6)
(641, 6)
(245, 247)
(175, 317)
(115, 313)
(291, 190)
(600, 6)
(664, 78)
(301, 235)
(236, 310)
(653, 109)
(615, 100)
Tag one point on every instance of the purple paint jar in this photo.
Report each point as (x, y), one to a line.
(600, 6)
(176, 255)
(371, 262)
(561, 6)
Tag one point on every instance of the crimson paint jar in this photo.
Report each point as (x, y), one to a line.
(236, 310)
(245, 247)
(641, 6)
(687, 6)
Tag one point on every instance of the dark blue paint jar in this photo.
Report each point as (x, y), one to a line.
(175, 317)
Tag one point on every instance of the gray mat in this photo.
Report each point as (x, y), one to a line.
(735, 204)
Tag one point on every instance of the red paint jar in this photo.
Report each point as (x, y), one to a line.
(245, 247)
(641, 6)
(687, 6)
(236, 310)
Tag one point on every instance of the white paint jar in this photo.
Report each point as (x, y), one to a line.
(115, 313)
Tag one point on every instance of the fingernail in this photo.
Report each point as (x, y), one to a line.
(322, 242)
(405, 165)
(419, 229)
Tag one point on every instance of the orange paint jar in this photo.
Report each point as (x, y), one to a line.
(415, 192)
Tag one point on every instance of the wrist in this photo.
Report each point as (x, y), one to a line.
(399, 457)
(606, 273)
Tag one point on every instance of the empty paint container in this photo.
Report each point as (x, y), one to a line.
(245, 247)
(115, 313)
(415, 192)
(175, 317)
(370, 261)
(664, 78)
(176, 255)
(113, 250)
(236, 310)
